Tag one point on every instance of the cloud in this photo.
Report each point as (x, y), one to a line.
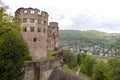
(101, 15)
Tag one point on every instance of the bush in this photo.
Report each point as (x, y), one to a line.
(27, 58)
(70, 58)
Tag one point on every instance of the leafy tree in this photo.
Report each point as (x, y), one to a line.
(88, 64)
(101, 71)
(70, 58)
(115, 68)
(80, 58)
(12, 48)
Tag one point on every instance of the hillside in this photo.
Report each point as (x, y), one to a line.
(88, 38)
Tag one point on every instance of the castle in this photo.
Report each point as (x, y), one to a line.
(37, 33)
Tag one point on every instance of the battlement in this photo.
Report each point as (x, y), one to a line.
(31, 12)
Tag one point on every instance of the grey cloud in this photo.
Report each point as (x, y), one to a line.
(84, 22)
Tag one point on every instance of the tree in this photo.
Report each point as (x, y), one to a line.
(101, 71)
(80, 58)
(88, 64)
(115, 68)
(12, 48)
(70, 58)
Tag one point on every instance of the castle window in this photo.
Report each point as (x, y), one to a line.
(34, 39)
(25, 29)
(38, 29)
(32, 12)
(31, 29)
(44, 30)
(24, 20)
(32, 20)
(25, 11)
(44, 22)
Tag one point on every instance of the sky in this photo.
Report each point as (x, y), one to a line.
(101, 15)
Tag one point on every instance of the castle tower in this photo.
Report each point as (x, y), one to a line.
(53, 36)
(35, 26)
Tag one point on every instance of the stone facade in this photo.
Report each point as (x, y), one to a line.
(36, 31)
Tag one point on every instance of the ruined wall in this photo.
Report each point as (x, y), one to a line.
(32, 71)
(58, 74)
(53, 36)
(34, 25)
(41, 70)
(47, 70)
(37, 33)
(45, 75)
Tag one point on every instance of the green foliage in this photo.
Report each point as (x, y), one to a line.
(80, 58)
(67, 68)
(101, 71)
(70, 58)
(115, 68)
(50, 53)
(12, 48)
(115, 44)
(87, 38)
(27, 58)
(88, 64)
(11, 52)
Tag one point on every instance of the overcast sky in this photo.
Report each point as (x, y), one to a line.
(102, 15)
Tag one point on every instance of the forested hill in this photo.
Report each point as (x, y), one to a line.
(88, 38)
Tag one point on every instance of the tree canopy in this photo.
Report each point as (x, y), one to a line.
(12, 48)
(101, 71)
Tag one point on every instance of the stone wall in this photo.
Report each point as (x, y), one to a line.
(47, 70)
(41, 70)
(58, 74)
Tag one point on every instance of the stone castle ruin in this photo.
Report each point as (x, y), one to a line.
(40, 37)
(37, 33)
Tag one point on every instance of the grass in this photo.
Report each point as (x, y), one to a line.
(51, 52)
